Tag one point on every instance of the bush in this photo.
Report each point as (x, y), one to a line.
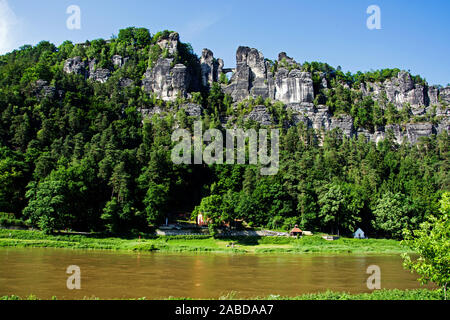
(9, 220)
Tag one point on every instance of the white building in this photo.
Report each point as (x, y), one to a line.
(359, 234)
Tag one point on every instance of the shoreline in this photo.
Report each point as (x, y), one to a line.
(168, 244)
(385, 294)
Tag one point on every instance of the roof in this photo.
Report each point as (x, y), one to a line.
(296, 230)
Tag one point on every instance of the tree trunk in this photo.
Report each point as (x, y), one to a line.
(445, 291)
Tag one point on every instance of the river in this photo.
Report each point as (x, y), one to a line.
(113, 275)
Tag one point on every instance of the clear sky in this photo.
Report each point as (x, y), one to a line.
(414, 34)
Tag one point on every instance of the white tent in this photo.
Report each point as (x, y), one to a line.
(359, 234)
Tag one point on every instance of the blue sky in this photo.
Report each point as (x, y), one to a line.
(414, 34)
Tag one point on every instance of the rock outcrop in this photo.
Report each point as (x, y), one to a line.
(261, 115)
(89, 69)
(254, 78)
(100, 75)
(75, 65)
(192, 109)
(118, 60)
(399, 91)
(211, 68)
(250, 78)
(283, 81)
(414, 131)
(320, 119)
(166, 80)
(294, 86)
(402, 90)
(43, 90)
(445, 95)
(125, 82)
(170, 43)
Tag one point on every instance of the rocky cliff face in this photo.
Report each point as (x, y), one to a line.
(254, 78)
(294, 86)
(211, 68)
(261, 115)
(43, 90)
(283, 81)
(75, 65)
(445, 95)
(89, 68)
(402, 91)
(167, 79)
(98, 74)
(321, 120)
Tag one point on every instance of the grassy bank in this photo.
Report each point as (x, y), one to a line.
(420, 294)
(266, 245)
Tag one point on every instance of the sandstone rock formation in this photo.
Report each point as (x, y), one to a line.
(192, 109)
(253, 78)
(294, 86)
(169, 42)
(117, 60)
(210, 68)
(445, 94)
(320, 119)
(260, 114)
(250, 78)
(166, 80)
(402, 91)
(88, 69)
(283, 81)
(43, 90)
(75, 65)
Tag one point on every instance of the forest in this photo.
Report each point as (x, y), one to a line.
(87, 159)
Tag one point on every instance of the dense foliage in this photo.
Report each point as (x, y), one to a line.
(432, 243)
(85, 159)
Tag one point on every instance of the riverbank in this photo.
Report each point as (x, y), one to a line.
(255, 245)
(420, 294)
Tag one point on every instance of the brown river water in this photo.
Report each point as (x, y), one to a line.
(112, 275)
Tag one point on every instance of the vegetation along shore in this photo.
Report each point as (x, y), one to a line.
(419, 294)
(314, 244)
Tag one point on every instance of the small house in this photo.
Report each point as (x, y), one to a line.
(201, 221)
(359, 234)
(296, 232)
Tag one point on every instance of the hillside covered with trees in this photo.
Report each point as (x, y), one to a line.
(88, 155)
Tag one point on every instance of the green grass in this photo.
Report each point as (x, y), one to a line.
(420, 294)
(266, 245)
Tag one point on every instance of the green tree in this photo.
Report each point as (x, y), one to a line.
(339, 210)
(431, 243)
(211, 209)
(392, 215)
(156, 202)
(48, 206)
